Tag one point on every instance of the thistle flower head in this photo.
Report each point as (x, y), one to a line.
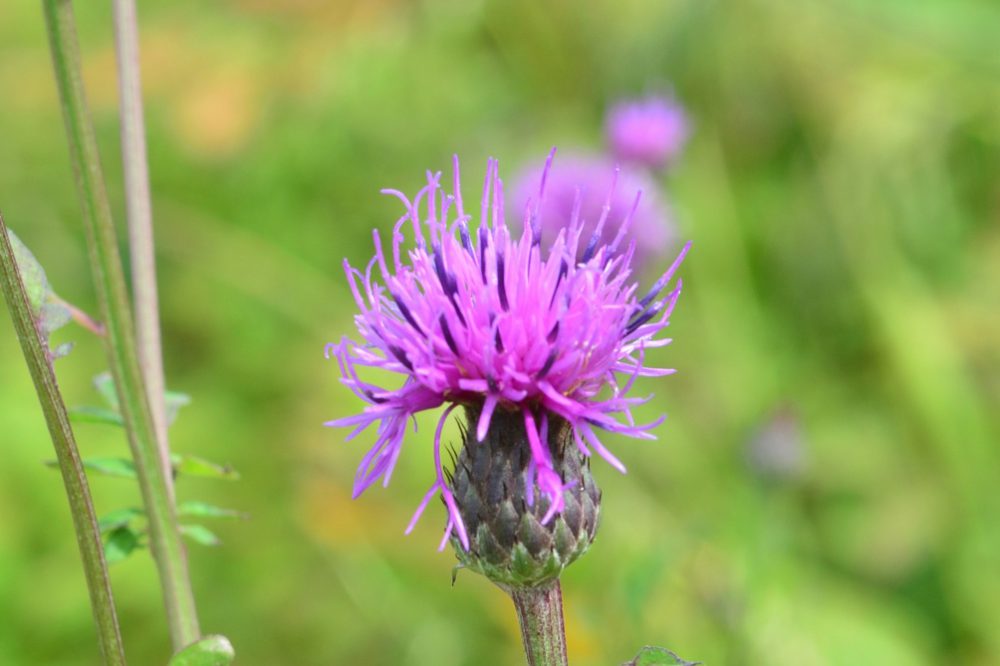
(469, 315)
(578, 187)
(649, 132)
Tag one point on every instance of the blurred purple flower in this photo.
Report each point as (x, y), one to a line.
(649, 132)
(478, 318)
(598, 181)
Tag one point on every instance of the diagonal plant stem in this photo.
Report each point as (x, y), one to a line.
(88, 535)
(109, 280)
(139, 216)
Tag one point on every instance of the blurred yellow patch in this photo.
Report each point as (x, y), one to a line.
(215, 116)
(580, 638)
(332, 517)
(338, 13)
(210, 95)
(100, 76)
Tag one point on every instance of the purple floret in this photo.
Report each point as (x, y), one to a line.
(649, 132)
(476, 317)
(579, 186)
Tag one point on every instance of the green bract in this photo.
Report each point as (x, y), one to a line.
(508, 542)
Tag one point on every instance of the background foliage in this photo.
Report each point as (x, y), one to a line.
(824, 491)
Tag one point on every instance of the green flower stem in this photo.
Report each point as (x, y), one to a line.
(139, 216)
(88, 535)
(539, 610)
(109, 280)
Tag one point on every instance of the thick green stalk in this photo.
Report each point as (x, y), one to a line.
(109, 280)
(139, 216)
(88, 535)
(539, 610)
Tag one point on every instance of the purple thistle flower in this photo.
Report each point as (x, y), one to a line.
(649, 131)
(580, 186)
(475, 317)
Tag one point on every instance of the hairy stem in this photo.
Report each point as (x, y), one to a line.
(88, 535)
(109, 280)
(139, 216)
(539, 610)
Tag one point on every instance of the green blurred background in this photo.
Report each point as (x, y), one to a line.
(825, 490)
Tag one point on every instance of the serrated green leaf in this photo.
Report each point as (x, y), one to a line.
(209, 651)
(657, 656)
(174, 401)
(194, 466)
(120, 467)
(195, 509)
(120, 543)
(105, 387)
(118, 518)
(200, 534)
(95, 415)
(48, 309)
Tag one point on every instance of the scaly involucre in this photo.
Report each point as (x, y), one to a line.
(473, 316)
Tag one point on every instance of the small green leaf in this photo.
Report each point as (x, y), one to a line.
(657, 656)
(120, 467)
(200, 534)
(194, 466)
(95, 415)
(36, 283)
(205, 510)
(119, 518)
(49, 310)
(120, 543)
(63, 350)
(209, 651)
(105, 386)
(174, 401)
